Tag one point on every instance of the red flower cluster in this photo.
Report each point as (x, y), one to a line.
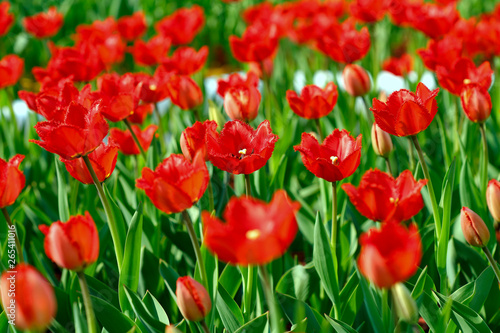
(133, 26)
(186, 60)
(44, 25)
(257, 44)
(399, 66)
(183, 25)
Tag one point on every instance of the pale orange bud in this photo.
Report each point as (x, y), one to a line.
(356, 80)
(475, 231)
(493, 198)
(171, 329)
(381, 141)
(192, 299)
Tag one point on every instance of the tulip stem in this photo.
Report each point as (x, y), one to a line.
(109, 213)
(87, 301)
(12, 228)
(248, 185)
(484, 169)
(492, 262)
(249, 291)
(211, 204)
(320, 131)
(367, 110)
(136, 140)
(334, 220)
(388, 164)
(435, 207)
(411, 157)
(11, 108)
(204, 326)
(160, 127)
(196, 246)
(274, 311)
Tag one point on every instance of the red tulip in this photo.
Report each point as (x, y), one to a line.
(12, 180)
(263, 69)
(476, 102)
(193, 139)
(103, 160)
(266, 14)
(176, 184)
(380, 197)
(462, 72)
(236, 80)
(78, 134)
(44, 25)
(126, 142)
(6, 19)
(369, 11)
(433, 20)
(28, 298)
(257, 43)
(186, 60)
(242, 103)
(183, 25)
(441, 52)
(133, 26)
(74, 244)
(335, 159)
(406, 113)
(140, 113)
(399, 66)
(11, 69)
(193, 299)
(239, 148)
(475, 231)
(151, 52)
(254, 233)
(390, 254)
(184, 92)
(356, 80)
(118, 96)
(314, 102)
(153, 89)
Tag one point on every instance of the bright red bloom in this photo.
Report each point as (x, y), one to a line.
(236, 80)
(441, 52)
(43, 25)
(183, 25)
(390, 254)
(184, 92)
(176, 184)
(133, 26)
(463, 72)
(6, 19)
(153, 89)
(257, 43)
(239, 148)
(118, 96)
(151, 52)
(399, 66)
(103, 160)
(186, 60)
(333, 160)
(401, 11)
(476, 102)
(80, 131)
(126, 142)
(11, 69)
(434, 20)
(266, 14)
(193, 139)
(34, 300)
(314, 102)
(74, 244)
(356, 80)
(193, 299)
(343, 43)
(369, 11)
(254, 233)
(406, 113)
(12, 180)
(380, 197)
(141, 111)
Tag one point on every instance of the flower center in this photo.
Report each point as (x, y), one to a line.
(152, 87)
(253, 234)
(394, 201)
(467, 81)
(335, 160)
(242, 152)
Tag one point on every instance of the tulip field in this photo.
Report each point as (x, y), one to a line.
(249, 166)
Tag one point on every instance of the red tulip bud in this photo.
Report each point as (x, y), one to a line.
(381, 141)
(356, 80)
(493, 198)
(192, 298)
(476, 102)
(475, 231)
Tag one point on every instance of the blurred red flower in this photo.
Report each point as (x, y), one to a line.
(186, 60)
(126, 142)
(266, 14)
(257, 43)
(183, 25)
(390, 254)
(401, 11)
(11, 69)
(333, 160)
(462, 72)
(6, 19)
(369, 11)
(235, 80)
(118, 96)
(184, 92)
(253, 233)
(176, 184)
(434, 20)
(399, 66)
(133, 26)
(313, 102)
(239, 148)
(380, 197)
(193, 139)
(140, 113)
(476, 102)
(442, 52)
(406, 113)
(155, 88)
(356, 80)
(43, 25)
(151, 52)
(12, 180)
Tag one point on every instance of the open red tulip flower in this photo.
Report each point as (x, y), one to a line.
(118, 95)
(151, 52)
(12, 180)
(406, 113)
(236, 80)
(441, 52)
(6, 19)
(186, 60)
(335, 159)
(369, 11)
(103, 160)
(476, 102)
(77, 134)
(193, 139)
(44, 25)
(11, 69)
(390, 254)
(176, 184)
(433, 20)
(73, 244)
(153, 88)
(140, 113)
(133, 26)
(257, 43)
(380, 197)
(241, 96)
(183, 25)
(126, 142)
(314, 102)
(239, 149)
(462, 72)
(253, 232)
(184, 92)
(399, 66)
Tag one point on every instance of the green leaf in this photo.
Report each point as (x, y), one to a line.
(351, 298)
(111, 318)
(62, 193)
(229, 312)
(142, 312)
(419, 287)
(370, 305)
(429, 310)
(474, 294)
(295, 282)
(339, 326)
(256, 325)
(296, 311)
(230, 279)
(118, 217)
(170, 277)
(155, 309)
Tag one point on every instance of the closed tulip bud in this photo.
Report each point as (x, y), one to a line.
(171, 329)
(406, 307)
(242, 103)
(381, 141)
(356, 80)
(476, 102)
(192, 299)
(475, 230)
(493, 198)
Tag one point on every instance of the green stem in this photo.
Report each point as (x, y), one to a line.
(211, 204)
(16, 238)
(91, 321)
(205, 327)
(274, 311)
(109, 214)
(484, 169)
(160, 128)
(411, 156)
(196, 247)
(11, 109)
(249, 291)
(388, 164)
(492, 262)
(334, 220)
(248, 185)
(136, 140)
(367, 110)
(320, 131)
(435, 207)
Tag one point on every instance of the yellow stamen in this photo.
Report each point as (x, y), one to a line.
(335, 160)
(253, 234)
(243, 152)
(394, 201)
